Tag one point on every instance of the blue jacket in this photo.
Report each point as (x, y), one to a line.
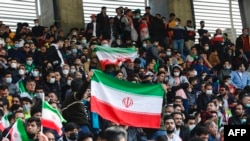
(239, 82)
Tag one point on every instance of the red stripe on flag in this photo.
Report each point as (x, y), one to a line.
(124, 117)
(50, 124)
(112, 62)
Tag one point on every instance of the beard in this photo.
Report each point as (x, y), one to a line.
(31, 136)
(169, 131)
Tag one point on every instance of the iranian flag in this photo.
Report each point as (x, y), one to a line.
(115, 56)
(126, 103)
(4, 123)
(18, 131)
(52, 118)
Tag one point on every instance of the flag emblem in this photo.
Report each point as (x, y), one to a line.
(127, 102)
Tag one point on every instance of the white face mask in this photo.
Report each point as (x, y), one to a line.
(13, 65)
(105, 45)
(8, 80)
(176, 23)
(144, 45)
(72, 70)
(21, 72)
(176, 73)
(52, 80)
(40, 95)
(35, 73)
(29, 62)
(191, 127)
(168, 53)
(195, 73)
(206, 47)
(36, 24)
(209, 92)
(65, 71)
(69, 82)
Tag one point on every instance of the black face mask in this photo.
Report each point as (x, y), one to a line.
(73, 136)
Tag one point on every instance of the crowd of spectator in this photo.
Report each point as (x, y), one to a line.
(206, 83)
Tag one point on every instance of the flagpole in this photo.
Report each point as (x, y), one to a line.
(8, 133)
(43, 95)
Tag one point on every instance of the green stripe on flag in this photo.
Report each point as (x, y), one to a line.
(21, 86)
(21, 129)
(47, 106)
(128, 87)
(115, 50)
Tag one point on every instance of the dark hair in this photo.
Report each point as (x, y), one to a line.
(115, 133)
(202, 130)
(33, 119)
(167, 117)
(3, 87)
(171, 14)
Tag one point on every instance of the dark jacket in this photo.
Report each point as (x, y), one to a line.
(90, 29)
(73, 109)
(202, 101)
(53, 56)
(234, 120)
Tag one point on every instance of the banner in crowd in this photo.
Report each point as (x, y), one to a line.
(18, 131)
(52, 118)
(126, 103)
(115, 56)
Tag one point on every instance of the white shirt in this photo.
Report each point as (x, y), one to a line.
(94, 29)
(59, 54)
(175, 138)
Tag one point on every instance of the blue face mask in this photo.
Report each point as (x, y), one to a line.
(243, 121)
(74, 50)
(248, 105)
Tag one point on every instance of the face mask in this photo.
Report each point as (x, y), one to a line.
(167, 114)
(16, 45)
(36, 24)
(52, 80)
(105, 45)
(21, 72)
(74, 50)
(40, 95)
(137, 16)
(35, 73)
(8, 80)
(206, 47)
(118, 42)
(26, 108)
(13, 65)
(176, 73)
(176, 23)
(72, 70)
(203, 77)
(69, 82)
(228, 67)
(29, 62)
(65, 72)
(168, 53)
(246, 33)
(248, 105)
(73, 136)
(195, 73)
(144, 45)
(243, 121)
(191, 127)
(229, 81)
(209, 92)
(84, 41)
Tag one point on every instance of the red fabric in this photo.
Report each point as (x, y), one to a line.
(246, 46)
(124, 117)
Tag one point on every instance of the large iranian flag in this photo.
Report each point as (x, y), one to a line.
(108, 55)
(18, 131)
(52, 118)
(120, 101)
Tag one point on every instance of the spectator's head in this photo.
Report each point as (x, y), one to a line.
(4, 90)
(16, 99)
(33, 126)
(176, 71)
(169, 124)
(7, 77)
(178, 118)
(203, 133)
(190, 122)
(71, 130)
(115, 133)
(172, 16)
